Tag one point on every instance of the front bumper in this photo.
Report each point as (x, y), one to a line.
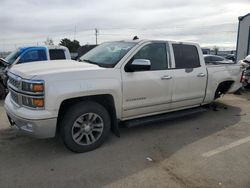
(39, 128)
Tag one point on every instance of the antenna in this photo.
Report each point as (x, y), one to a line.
(96, 34)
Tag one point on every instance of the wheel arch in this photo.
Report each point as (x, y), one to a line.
(222, 88)
(106, 100)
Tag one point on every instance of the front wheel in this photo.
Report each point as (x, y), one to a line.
(85, 126)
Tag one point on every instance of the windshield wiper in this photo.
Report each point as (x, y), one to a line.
(92, 62)
(89, 61)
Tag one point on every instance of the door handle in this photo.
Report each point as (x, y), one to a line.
(201, 75)
(166, 77)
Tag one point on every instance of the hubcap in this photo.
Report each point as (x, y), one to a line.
(87, 129)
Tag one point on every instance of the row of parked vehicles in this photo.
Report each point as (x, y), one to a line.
(121, 82)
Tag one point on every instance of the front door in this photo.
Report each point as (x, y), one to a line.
(148, 92)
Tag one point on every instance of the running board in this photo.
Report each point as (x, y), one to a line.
(163, 117)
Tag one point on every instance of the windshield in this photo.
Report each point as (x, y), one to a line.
(12, 57)
(108, 54)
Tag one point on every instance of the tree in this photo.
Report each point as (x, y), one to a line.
(71, 45)
(216, 50)
(49, 41)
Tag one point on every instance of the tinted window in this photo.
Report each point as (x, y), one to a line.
(216, 58)
(11, 58)
(156, 53)
(186, 56)
(207, 58)
(56, 54)
(33, 55)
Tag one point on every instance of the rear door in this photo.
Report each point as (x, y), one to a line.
(190, 77)
(147, 92)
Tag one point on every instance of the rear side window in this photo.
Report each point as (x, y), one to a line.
(56, 54)
(186, 56)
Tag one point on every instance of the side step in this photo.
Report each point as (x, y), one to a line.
(163, 117)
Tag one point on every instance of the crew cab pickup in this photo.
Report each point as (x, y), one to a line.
(28, 55)
(115, 82)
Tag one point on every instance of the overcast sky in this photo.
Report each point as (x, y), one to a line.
(26, 22)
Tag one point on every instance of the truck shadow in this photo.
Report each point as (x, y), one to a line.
(116, 159)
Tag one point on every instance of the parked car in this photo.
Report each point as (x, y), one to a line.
(27, 55)
(231, 57)
(124, 81)
(215, 59)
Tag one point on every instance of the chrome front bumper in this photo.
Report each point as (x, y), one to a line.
(43, 128)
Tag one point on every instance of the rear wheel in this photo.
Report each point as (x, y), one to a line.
(85, 126)
(2, 91)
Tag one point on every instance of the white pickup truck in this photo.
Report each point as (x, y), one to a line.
(123, 81)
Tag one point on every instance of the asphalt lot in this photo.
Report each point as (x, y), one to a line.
(211, 149)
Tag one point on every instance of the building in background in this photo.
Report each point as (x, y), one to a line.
(243, 38)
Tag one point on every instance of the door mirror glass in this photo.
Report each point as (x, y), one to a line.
(139, 65)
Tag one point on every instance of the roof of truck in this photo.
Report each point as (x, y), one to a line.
(154, 40)
(42, 46)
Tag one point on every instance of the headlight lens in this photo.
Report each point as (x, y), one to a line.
(33, 87)
(34, 97)
(33, 102)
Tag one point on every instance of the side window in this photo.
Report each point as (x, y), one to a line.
(186, 56)
(33, 55)
(156, 53)
(207, 58)
(56, 54)
(215, 58)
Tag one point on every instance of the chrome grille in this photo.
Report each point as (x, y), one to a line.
(14, 97)
(14, 82)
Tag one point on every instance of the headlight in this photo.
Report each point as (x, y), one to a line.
(33, 102)
(36, 87)
(34, 94)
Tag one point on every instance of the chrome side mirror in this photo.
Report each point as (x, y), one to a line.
(139, 65)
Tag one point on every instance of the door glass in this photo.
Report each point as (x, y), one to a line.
(33, 55)
(56, 54)
(217, 58)
(156, 53)
(186, 56)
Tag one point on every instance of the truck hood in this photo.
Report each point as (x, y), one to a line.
(30, 70)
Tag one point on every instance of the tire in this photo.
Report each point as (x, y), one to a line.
(2, 91)
(85, 126)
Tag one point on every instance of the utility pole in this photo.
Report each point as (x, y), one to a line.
(96, 34)
(75, 33)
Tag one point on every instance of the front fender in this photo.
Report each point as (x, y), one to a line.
(59, 91)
